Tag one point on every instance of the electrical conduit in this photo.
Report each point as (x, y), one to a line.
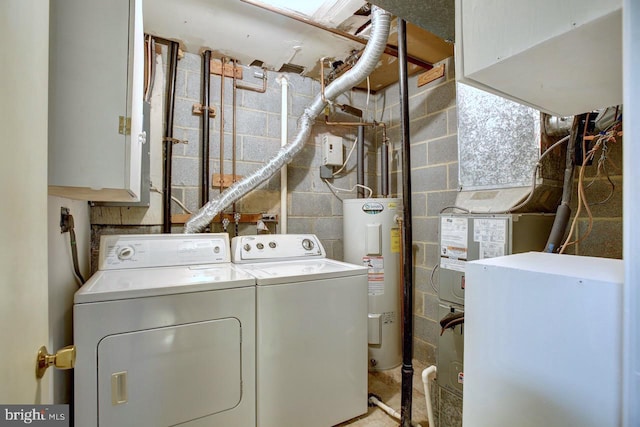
(380, 20)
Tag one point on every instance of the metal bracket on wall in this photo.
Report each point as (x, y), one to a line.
(197, 110)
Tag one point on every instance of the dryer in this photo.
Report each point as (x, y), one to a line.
(311, 331)
(165, 335)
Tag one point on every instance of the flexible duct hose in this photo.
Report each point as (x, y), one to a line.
(380, 21)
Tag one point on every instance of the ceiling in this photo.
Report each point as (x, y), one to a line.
(250, 33)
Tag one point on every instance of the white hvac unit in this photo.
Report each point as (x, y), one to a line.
(372, 238)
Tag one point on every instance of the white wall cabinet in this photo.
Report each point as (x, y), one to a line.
(561, 57)
(95, 99)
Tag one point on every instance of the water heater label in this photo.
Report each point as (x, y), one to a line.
(375, 266)
(395, 240)
(372, 208)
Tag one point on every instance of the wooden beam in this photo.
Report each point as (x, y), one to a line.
(248, 218)
(431, 75)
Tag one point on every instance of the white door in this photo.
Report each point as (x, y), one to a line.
(24, 41)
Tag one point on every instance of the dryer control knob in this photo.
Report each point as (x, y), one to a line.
(125, 252)
(247, 247)
(307, 244)
(272, 245)
(260, 246)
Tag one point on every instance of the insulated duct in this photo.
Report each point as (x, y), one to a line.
(380, 21)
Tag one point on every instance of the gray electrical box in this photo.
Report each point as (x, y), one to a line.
(469, 237)
(450, 355)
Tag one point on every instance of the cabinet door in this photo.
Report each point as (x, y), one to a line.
(95, 90)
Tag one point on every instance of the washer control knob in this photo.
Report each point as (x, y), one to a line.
(247, 247)
(216, 249)
(260, 246)
(272, 245)
(307, 244)
(125, 252)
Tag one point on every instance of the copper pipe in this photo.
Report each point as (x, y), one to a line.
(250, 87)
(223, 60)
(389, 49)
(234, 134)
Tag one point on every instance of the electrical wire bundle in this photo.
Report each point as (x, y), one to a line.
(601, 143)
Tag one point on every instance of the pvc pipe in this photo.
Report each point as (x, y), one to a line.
(427, 375)
(389, 410)
(284, 114)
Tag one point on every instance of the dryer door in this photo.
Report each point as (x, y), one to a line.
(168, 376)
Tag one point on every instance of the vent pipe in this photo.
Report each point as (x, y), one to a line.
(380, 20)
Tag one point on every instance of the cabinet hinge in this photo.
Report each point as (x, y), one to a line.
(124, 125)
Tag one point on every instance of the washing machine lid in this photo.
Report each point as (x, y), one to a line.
(109, 285)
(273, 273)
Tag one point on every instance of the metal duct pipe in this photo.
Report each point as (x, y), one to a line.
(168, 136)
(407, 248)
(206, 83)
(380, 20)
(360, 162)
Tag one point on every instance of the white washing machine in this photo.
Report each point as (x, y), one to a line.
(165, 335)
(311, 331)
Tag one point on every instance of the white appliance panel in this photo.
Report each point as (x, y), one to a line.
(312, 352)
(272, 273)
(543, 341)
(121, 284)
(168, 376)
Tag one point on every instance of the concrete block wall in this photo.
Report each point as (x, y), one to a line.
(313, 207)
(605, 198)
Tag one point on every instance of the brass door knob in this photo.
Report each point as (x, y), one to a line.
(65, 358)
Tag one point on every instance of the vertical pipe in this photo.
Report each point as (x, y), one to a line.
(284, 136)
(234, 136)
(168, 136)
(206, 82)
(384, 164)
(223, 61)
(360, 162)
(407, 250)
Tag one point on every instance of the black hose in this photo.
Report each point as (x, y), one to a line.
(360, 162)
(168, 136)
(206, 83)
(563, 213)
(407, 248)
(74, 251)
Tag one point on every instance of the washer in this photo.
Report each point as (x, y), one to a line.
(311, 331)
(165, 335)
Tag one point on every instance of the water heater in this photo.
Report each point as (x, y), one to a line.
(372, 238)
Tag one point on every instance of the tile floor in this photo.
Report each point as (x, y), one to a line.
(386, 385)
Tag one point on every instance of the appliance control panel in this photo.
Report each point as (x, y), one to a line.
(275, 247)
(162, 250)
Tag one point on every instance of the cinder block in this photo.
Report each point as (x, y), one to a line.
(258, 149)
(441, 97)
(309, 204)
(418, 205)
(436, 201)
(432, 178)
(251, 122)
(443, 150)
(329, 227)
(429, 127)
(426, 329)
